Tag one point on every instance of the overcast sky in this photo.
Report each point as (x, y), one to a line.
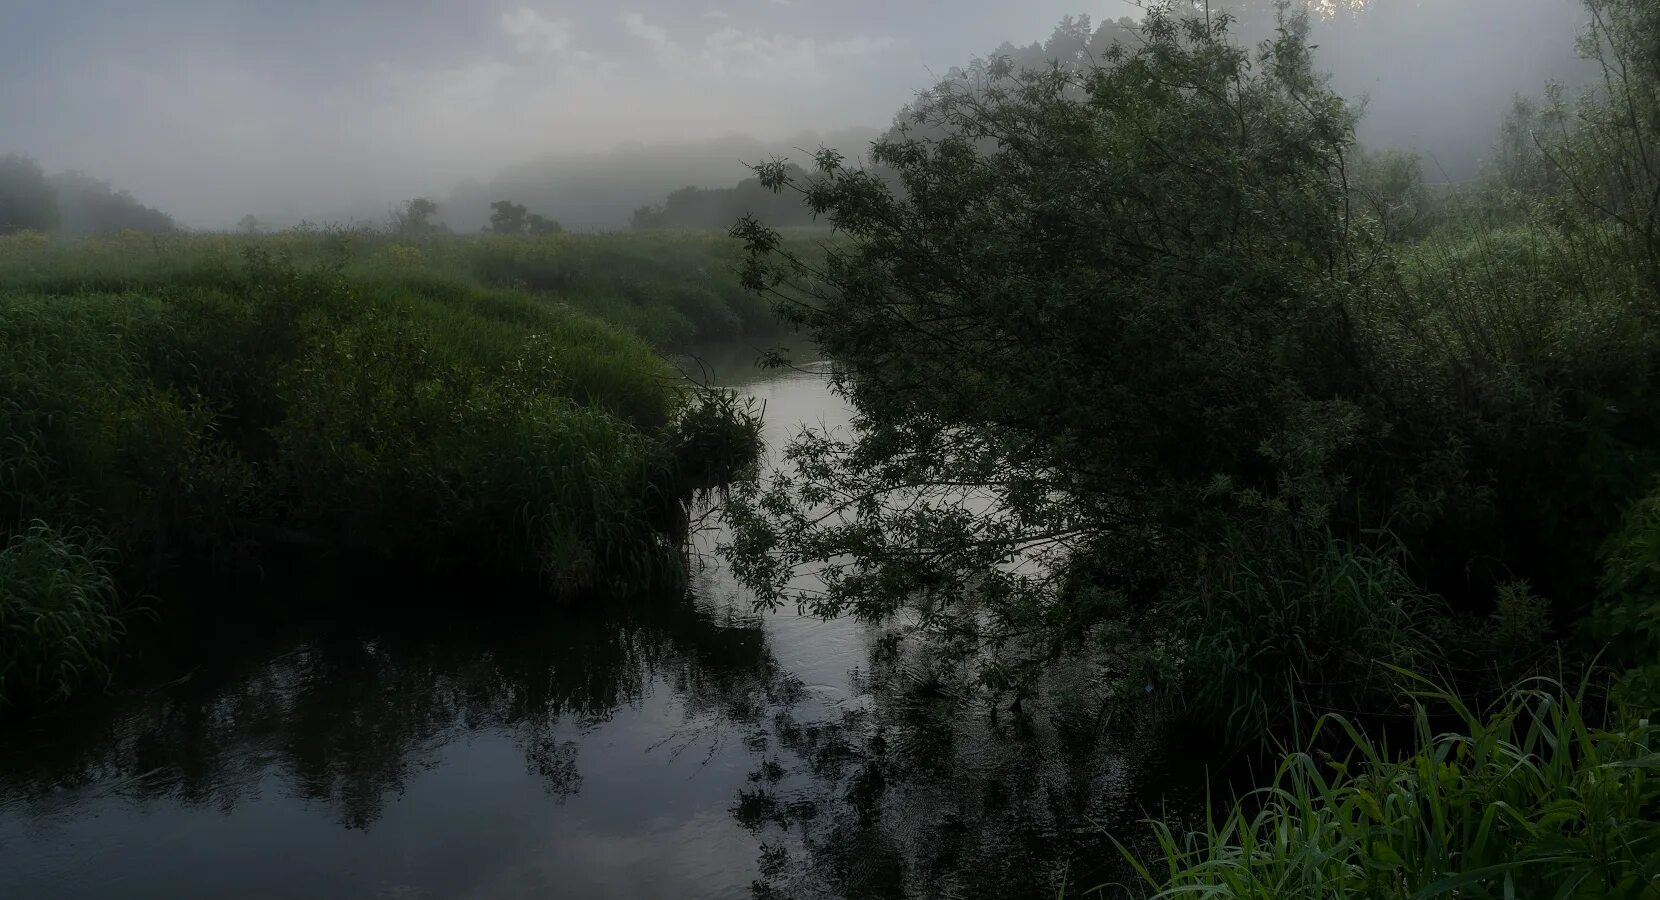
(213, 108)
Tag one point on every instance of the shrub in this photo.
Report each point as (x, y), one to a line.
(715, 439)
(457, 425)
(188, 406)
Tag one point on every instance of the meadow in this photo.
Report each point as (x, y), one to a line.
(483, 405)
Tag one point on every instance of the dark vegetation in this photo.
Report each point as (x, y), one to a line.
(1155, 366)
(507, 217)
(673, 289)
(197, 402)
(70, 203)
(718, 208)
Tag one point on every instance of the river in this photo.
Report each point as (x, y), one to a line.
(671, 747)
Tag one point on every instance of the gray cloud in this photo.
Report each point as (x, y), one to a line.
(327, 108)
(212, 110)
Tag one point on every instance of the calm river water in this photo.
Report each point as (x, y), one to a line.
(675, 747)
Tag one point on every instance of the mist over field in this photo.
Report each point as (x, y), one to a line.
(210, 111)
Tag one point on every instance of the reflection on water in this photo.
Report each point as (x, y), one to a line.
(668, 747)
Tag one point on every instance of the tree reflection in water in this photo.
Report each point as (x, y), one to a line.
(926, 793)
(885, 784)
(346, 716)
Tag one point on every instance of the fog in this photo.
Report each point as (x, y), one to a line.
(336, 110)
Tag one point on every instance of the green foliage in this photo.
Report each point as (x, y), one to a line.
(1299, 631)
(368, 417)
(1389, 188)
(716, 438)
(1627, 614)
(1087, 323)
(193, 408)
(59, 621)
(1123, 370)
(670, 288)
(1533, 798)
(1521, 370)
(1594, 160)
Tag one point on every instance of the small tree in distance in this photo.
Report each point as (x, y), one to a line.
(507, 217)
(416, 218)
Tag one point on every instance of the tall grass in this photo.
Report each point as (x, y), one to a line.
(204, 399)
(59, 620)
(671, 288)
(1299, 629)
(1534, 798)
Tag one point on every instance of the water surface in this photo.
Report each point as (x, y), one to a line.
(665, 747)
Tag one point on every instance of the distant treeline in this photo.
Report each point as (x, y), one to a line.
(604, 190)
(718, 208)
(69, 203)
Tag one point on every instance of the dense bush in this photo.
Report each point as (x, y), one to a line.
(190, 406)
(371, 418)
(715, 436)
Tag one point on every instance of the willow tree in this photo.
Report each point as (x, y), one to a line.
(1081, 307)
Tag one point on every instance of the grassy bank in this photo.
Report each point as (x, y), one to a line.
(197, 401)
(1545, 794)
(671, 288)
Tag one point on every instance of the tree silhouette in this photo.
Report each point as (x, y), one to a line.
(538, 225)
(415, 218)
(507, 217)
(27, 200)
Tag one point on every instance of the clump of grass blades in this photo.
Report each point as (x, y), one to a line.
(58, 616)
(1534, 798)
(463, 427)
(1293, 629)
(715, 439)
